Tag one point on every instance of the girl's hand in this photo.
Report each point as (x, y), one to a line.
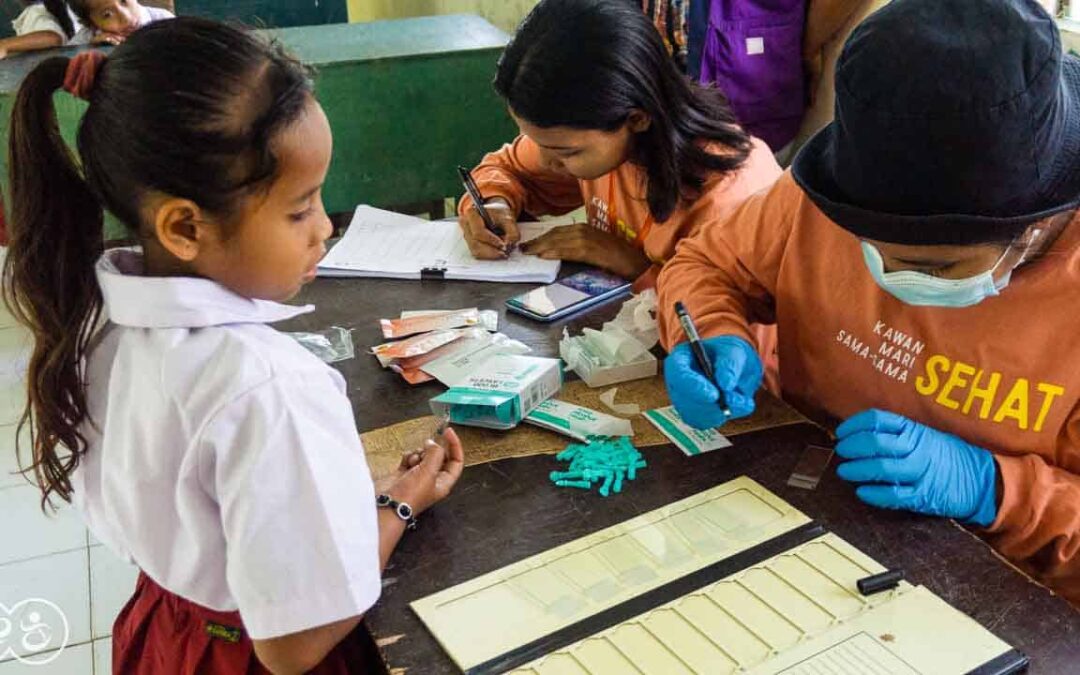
(586, 244)
(107, 39)
(427, 477)
(484, 244)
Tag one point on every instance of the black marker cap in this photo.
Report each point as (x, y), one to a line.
(877, 583)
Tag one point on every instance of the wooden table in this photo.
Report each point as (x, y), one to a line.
(507, 510)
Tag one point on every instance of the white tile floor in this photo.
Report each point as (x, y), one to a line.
(50, 557)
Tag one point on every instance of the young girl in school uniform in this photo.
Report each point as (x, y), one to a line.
(42, 25)
(608, 122)
(922, 261)
(214, 452)
(56, 23)
(112, 21)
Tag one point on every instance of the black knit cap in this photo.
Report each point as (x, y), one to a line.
(957, 122)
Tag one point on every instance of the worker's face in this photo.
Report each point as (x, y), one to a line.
(585, 154)
(962, 262)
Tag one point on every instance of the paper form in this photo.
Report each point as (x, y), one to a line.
(392, 245)
(516, 604)
(854, 656)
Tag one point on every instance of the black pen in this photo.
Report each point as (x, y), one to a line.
(478, 202)
(699, 353)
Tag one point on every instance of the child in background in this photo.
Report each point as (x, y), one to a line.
(217, 454)
(112, 21)
(42, 25)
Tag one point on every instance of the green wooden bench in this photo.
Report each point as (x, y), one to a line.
(408, 100)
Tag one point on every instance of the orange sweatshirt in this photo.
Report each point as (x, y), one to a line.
(615, 203)
(1003, 374)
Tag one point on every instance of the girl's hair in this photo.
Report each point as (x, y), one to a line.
(81, 10)
(59, 10)
(588, 64)
(187, 108)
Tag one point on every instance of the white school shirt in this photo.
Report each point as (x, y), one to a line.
(147, 15)
(223, 457)
(36, 18)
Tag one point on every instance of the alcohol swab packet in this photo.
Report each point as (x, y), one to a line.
(690, 440)
(577, 422)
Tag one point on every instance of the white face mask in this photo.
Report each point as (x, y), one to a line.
(918, 288)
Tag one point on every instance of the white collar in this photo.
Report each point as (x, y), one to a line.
(144, 16)
(176, 302)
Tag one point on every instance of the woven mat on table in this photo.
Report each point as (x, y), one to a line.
(384, 446)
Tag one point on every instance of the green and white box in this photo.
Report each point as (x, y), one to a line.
(501, 391)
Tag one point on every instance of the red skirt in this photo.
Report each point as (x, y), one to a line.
(160, 633)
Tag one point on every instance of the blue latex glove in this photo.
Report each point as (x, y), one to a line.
(910, 466)
(738, 372)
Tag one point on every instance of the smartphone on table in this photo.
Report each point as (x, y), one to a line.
(568, 296)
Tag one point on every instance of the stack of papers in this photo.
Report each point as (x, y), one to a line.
(392, 245)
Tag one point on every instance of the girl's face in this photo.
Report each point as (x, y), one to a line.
(585, 154)
(120, 17)
(272, 247)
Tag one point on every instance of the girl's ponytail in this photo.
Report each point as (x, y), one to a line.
(187, 108)
(48, 276)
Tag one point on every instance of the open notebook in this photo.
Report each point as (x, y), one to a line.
(392, 245)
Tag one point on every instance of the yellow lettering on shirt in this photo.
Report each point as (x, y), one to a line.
(928, 385)
(1015, 405)
(957, 377)
(1052, 391)
(958, 386)
(985, 394)
(627, 232)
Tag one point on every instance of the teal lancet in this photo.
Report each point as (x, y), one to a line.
(606, 462)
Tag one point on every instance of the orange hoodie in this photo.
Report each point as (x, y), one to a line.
(1003, 374)
(616, 202)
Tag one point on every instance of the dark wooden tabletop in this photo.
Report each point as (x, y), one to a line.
(505, 511)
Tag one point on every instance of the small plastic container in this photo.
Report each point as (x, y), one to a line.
(602, 376)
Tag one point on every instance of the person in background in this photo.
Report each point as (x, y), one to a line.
(112, 21)
(42, 25)
(922, 262)
(217, 454)
(608, 122)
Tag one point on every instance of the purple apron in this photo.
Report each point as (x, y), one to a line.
(753, 53)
